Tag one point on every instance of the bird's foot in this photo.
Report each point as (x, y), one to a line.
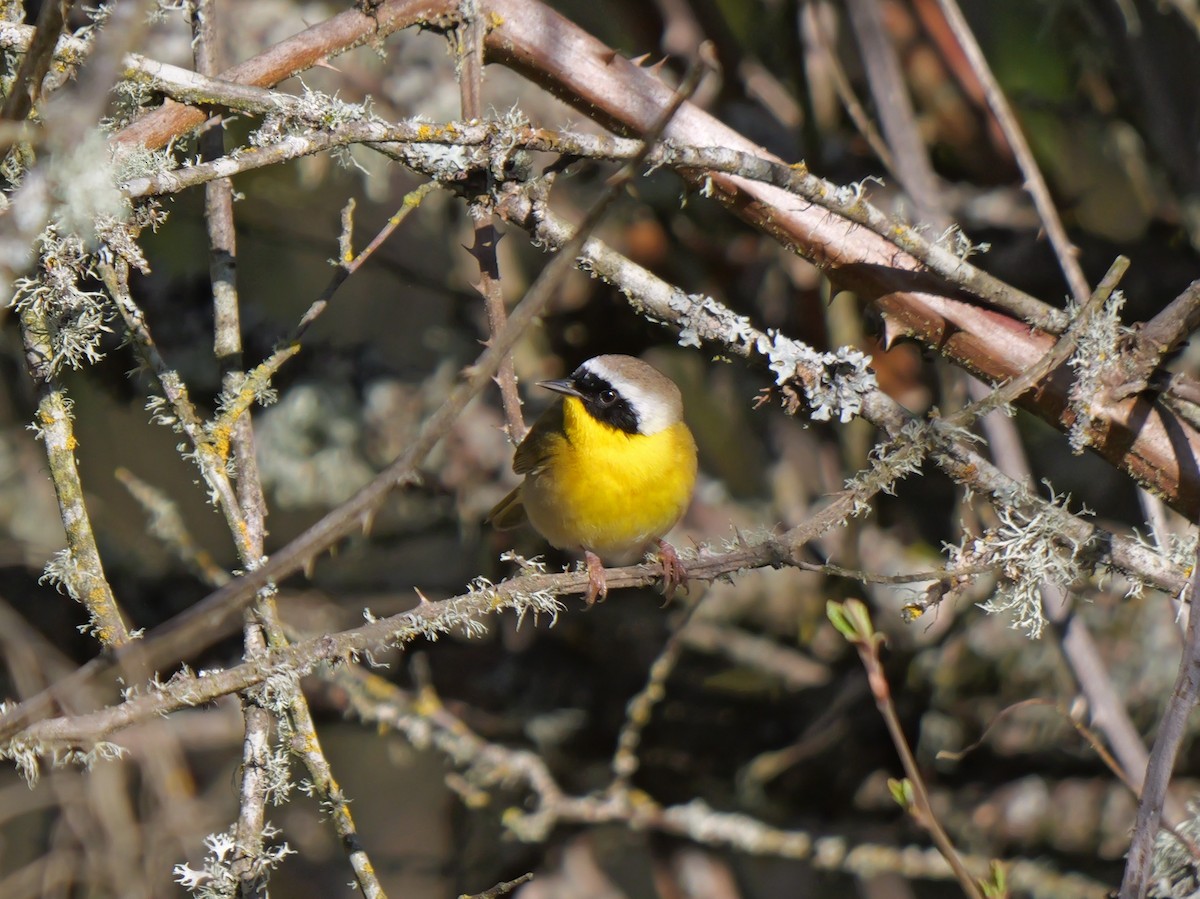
(674, 574)
(597, 584)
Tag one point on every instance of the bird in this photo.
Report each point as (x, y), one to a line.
(608, 470)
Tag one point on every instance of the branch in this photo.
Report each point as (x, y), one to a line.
(468, 48)
(289, 57)
(1171, 731)
(78, 569)
(528, 593)
(1066, 252)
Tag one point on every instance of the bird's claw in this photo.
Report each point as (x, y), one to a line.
(597, 590)
(674, 573)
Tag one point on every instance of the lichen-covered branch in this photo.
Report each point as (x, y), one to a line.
(77, 569)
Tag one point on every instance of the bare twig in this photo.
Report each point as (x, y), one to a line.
(744, 164)
(527, 593)
(423, 717)
(908, 157)
(469, 56)
(348, 262)
(1034, 182)
(853, 621)
(167, 525)
(794, 669)
(289, 57)
(500, 889)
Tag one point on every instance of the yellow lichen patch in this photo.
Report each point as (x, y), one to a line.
(427, 702)
(219, 440)
(641, 799)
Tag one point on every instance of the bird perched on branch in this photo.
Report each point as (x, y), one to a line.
(609, 470)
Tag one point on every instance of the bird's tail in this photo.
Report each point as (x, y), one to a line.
(508, 513)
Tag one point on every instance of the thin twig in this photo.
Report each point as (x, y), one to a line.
(1153, 340)
(500, 889)
(910, 162)
(854, 623)
(167, 525)
(526, 593)
(1067, 253)
(423, 717)
(321, 42)
(348, 262)
(469, 57)
(795, 179)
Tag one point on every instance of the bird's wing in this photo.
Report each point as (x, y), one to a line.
(535, 449)
(531, 456)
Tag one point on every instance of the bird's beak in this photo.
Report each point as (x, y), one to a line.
(563, 385)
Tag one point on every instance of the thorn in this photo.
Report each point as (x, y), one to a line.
(638, 60)
(326, 64)
(891, 332)
(609, 58)
(421, 596)
(368, 522)
(310, 566)
(657, 68)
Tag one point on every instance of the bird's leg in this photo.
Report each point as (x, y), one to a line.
(674, 574)
(597, 584)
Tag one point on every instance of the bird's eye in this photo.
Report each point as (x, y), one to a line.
(607, 397)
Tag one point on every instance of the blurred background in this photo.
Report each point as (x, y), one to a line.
(787, 731)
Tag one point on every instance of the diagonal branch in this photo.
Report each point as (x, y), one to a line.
(1171, 731)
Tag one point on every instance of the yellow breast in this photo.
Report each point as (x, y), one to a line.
(609, 491)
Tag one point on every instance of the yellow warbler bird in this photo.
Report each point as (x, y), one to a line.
(609, 470)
